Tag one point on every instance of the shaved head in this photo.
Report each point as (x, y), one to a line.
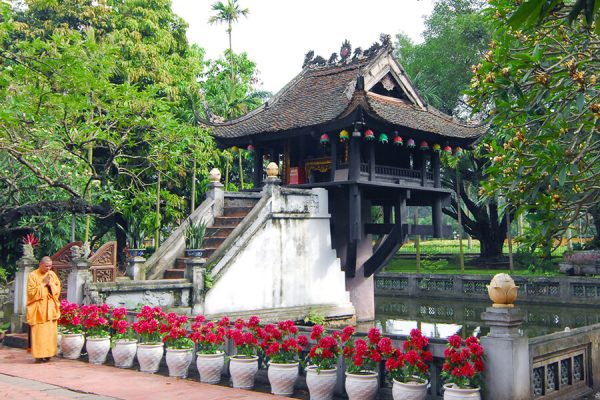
(45, 264)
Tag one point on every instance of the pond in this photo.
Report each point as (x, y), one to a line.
(443, 318)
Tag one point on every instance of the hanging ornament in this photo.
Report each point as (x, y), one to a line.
(383, 138)
(437, 147)
(410, 143)
(369, 135)
(250, 148)
(235, 149)
(448, 149)
(457, 151)
(398, 140)
(423, 145)
(344, 135)
(324, 139)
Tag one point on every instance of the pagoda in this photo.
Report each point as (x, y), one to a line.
(355, 125)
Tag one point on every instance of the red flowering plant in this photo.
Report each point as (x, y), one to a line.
(281, 343)
(30, 240)
(362, 355)
(70, 318)
(463, 362)
(147, 324)
(208, 336)
(174, 331)
(245, 336)
(122, 328)
(410, 363)
(324, 354)
(95, 320)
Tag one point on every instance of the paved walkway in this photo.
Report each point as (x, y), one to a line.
(20, 378)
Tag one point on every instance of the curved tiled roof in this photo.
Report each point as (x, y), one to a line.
(321, 94)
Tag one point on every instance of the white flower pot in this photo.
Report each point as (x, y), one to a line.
(282, 378)
(71, 345)
(123, 353)
(210, 367)
(59, 344)
(413, 390)
(453, 392)
(243, 370)
(149, 356)
(178, 361)
(362, 386)
(97, 349)
(321, 384)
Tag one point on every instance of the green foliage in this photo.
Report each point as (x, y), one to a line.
(134, 232)
(195, 234)
(314, 318)
(433, 266)
(541, 83)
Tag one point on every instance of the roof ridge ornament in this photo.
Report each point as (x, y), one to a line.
(346, 56)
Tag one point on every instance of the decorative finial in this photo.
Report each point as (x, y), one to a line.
(272, 170)
(502, 291)
(214, 175)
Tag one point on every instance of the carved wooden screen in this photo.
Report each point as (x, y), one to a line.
(104, 263)
(61, 265)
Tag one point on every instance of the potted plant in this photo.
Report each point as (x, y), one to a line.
(361, 358)
(321, 372)
(179, 346)
(282, 348)
(407, 367)
(195, 233)
(29, 242)
(124, 344)
(150, 349)
(72, 338)
(462, 369)
(135, 235)
(244, 364)
(97, 329)
(209, 337)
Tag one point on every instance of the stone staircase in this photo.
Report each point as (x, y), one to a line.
(234, 211)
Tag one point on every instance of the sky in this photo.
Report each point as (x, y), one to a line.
(278, 33)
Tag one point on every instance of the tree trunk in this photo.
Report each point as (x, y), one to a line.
(596, 217)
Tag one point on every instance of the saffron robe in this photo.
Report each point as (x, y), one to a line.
(43, 312)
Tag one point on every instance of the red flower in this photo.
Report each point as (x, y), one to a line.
(455, 341)
(316, 332)
(30, 239)
(374, 335)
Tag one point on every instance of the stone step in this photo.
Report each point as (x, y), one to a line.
(219, 232)
(240, 202)
(236, 211)
(18, 340)
(179, 263)
(214, 241)
(208, 251)
(174, 274)
(226, 222)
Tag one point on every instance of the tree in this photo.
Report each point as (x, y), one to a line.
(228, 13)
(541, 83)
(456, 36)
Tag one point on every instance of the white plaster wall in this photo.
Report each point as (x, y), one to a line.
(287, 262)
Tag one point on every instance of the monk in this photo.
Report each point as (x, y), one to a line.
(43, 310)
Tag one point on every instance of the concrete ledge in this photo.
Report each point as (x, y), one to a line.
(160, 284)
(330, 311)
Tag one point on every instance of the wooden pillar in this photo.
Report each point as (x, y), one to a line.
(435, 165)
(333, 157)
(387, 214)
(372, 161)
(258, 167)
(354, 157)
(436, 217)
(355, 228)
(423, 169)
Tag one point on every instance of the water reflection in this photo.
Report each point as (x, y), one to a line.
(443, 318)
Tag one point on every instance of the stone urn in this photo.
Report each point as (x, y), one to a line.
(149, 356)
(321, 383)
(178, 361)
(502, 291)
(362, 386)
(71, 345)
(243, 369)
(97, 349)
(282, 378)
(210, 367)
(411, 390)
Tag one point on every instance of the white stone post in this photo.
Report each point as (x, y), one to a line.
(195, 271)
(19, 318)
(79, 276)
(215, 192)
(135, 268)
(507, 368)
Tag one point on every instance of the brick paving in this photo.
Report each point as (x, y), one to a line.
(21, 378)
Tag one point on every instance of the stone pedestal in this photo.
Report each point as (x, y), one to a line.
(79, 276)
(508, 373)
(195, 271)
(136, 269)
(216, 193)
(19, 317)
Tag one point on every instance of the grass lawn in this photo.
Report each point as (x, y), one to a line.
(452, 247)
(452, 267)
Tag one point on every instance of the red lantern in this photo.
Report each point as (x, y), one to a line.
(250, 148)
(324, 139)
(423, 145)
(448, 149)
(369, 135)
(398, 141)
